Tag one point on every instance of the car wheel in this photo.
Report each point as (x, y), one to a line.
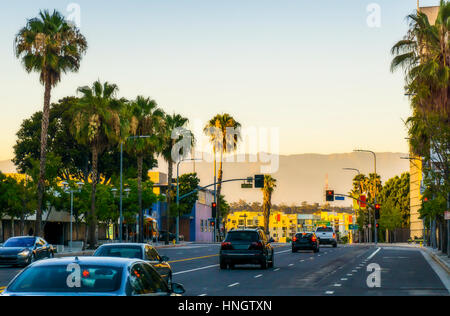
(223, 266)
(264, 264)
(316, 250)
(334, 245)
(294, 250)
(272, 262)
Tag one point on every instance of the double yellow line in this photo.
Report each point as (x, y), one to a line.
(2, 288)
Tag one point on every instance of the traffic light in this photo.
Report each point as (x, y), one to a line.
(377, 226)
(213, 209)
(329, 195)
(377, 211)
(212, 223)
(259, 181)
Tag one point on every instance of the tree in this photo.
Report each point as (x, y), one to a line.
(269, 186)
(146, 120)
(390, 218)
(173, 127)
(396, 191)
(188, 182)
(98, 124)
(50, 45)
(224, 133)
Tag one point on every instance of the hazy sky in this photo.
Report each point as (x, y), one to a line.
(314, 69)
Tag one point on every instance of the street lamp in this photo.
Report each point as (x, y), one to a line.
(375, 188)
(357, 170)
(121, 185)
(69, 190)
(178, 197)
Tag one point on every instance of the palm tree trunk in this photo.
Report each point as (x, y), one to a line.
(92, 216)
(44, 132)
(169, 198)
(140, 160)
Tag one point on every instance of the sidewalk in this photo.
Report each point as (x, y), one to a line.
(158, 245)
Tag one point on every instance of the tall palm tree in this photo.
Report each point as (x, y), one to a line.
(146, 120)
(218, 129)
(48, 44)
(171, 122)
(98, 124)
(270, 184)
(424, 55)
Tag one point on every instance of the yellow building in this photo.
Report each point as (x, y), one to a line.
(415, 198)
(282, 227)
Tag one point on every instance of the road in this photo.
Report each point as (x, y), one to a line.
(332, 271)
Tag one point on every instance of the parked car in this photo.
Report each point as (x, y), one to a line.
(305, 241)
(138, 251)
(163, 234)
(246, 246)
(326, 235)
(90, 276)
(25, 250)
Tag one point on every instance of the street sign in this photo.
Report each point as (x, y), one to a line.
(353, 227)
(339, 198)
(447, 215)
(323, 223)
(246, 186)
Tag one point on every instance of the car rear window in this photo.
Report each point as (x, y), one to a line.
(242, 236)
(120, 251)
(325, 229)
(303, 235)
(54, 278)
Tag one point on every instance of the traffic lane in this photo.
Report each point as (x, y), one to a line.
(296, 274)
(404, 271)
(206, 275)
(250, 280)
(7, 273)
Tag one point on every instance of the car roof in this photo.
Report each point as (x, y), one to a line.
(101, 261)
(245, 230)
(23, 237)
(125, 244)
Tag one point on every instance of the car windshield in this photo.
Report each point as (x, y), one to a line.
(19, 242)
(242, 236)
(56, 278)
(120, 251)
(325, 229)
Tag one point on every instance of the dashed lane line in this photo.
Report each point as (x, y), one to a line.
(234, 284)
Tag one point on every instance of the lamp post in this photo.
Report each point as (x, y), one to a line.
(375, 187)
(141, 220)
(69, 190)
(178, 196)
(357, 170)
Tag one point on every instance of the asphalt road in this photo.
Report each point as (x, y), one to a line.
(332, 271)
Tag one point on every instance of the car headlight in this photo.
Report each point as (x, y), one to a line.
(24, 253)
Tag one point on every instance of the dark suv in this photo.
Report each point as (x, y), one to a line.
(305, 241)
(246, 246)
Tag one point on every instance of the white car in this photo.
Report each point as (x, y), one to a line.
(326, 235)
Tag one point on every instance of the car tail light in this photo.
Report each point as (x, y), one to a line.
(226, 245)
(313, 238)
(294, 238)
(257, 245)
(334, 235)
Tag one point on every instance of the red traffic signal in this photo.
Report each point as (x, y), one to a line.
(377, 211)
(329, 195)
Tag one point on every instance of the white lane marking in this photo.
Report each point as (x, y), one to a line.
(302, 260)
(336, 284)
(192, 270)
(291, 264)
(202, 294)
(344, 279)
(234, 284)
(276, 269)
(358, 268)
(373, 254)
(354, 271)
(318, 255)
(258, 276)
(283, 251)
(329, 292)
(349, 274)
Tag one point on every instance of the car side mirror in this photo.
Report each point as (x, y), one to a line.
(178, 288)
(164, 258)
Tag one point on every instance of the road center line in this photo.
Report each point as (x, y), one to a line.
(234, 284)
(188, 259)
(258, 276)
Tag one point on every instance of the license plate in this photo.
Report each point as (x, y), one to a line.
(240, 247)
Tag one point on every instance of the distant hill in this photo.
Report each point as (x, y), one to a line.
(300, 177)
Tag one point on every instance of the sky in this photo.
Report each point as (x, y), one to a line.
(317, 71)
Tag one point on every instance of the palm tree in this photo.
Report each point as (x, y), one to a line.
(218, 129)
(98, 124)
(146, 120)
(171, 124)
(424, 55)
(48, 44)
(270, 184)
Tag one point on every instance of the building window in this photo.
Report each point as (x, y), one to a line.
(241, 222)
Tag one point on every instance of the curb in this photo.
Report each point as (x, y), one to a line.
(438, 260)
